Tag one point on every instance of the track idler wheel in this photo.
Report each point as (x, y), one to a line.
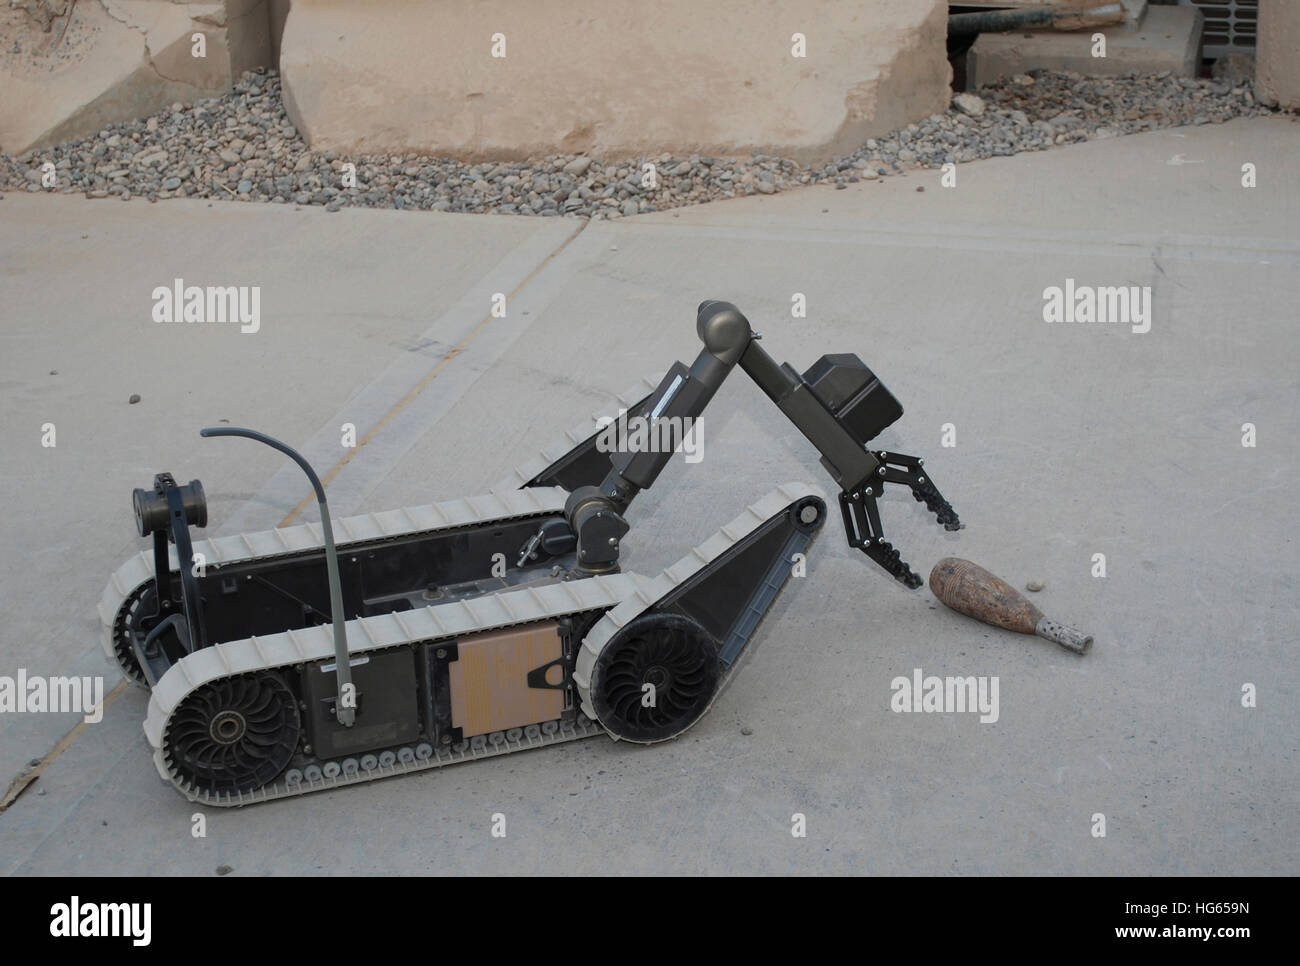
(129, 622)
(655, 678)
(235, 734)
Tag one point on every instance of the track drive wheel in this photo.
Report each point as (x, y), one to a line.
(234, 734)
(655, 678)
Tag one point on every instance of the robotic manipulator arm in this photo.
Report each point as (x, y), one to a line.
(838, 404)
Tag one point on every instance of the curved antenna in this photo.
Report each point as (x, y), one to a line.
(346, 712)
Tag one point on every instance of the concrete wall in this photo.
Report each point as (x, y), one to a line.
(113, 60)
(248, 23)
(614, 78)
(1168, 38)
(1277, 64)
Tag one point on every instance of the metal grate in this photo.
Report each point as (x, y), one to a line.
(1229, 25)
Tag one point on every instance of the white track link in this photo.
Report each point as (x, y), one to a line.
(583, 431)
(388, 525)
(627, 595)
(651, 593)
(509, 498)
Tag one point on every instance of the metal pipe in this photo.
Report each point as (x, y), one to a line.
(1058, 18)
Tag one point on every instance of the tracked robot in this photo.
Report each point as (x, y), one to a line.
(286, 662)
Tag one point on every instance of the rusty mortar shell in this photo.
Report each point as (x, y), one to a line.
(971, 590)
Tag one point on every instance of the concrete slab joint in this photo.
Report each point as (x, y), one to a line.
(509, 79)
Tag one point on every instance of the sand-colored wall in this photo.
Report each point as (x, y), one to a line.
(1277, 65)
(614, 78)
(115, 60)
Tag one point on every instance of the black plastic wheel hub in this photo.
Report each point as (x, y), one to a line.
(235, 734)
(655, 677)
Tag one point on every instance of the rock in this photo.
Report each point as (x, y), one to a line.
(245, 187)
(232, 157)
(224, 870)
(1034, 586)
(135, 398)
(968, 104)
(171, 184)
(629, 207)
(765, 187)
(577, 167)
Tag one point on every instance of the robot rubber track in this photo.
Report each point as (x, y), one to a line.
(481, 626)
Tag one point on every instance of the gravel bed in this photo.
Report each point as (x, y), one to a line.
(244, 147)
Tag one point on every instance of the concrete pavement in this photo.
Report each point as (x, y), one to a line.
(1070, 440)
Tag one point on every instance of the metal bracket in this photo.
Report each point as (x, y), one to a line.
(863, 529)
(184, 616)
(910, 472)
(536, 678)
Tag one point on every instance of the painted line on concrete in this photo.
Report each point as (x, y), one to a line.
(371, 409)
(355, 479)
(402, 426)
(21, 783)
